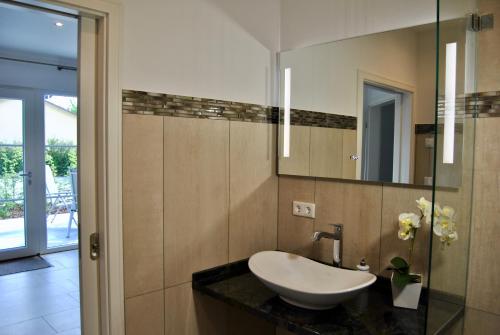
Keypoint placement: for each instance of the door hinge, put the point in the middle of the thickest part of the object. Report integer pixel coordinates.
(478, 22)
(94, 246)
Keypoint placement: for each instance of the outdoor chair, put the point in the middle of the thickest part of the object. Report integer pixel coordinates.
(56, 199)
(74, 201)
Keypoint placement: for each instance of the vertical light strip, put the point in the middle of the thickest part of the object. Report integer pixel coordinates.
(449, 103)
(286, 127)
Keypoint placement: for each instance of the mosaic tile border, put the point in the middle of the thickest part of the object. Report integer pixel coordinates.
(300, 117)
(147, 103)
(139, 102)
(429, 129)
(483, 104)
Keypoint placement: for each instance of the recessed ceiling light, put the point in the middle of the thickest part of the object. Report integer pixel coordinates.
(59, 24)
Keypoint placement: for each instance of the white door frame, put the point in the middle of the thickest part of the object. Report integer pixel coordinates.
(108, 158)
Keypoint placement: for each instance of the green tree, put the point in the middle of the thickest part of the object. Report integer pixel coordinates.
(60, 156)
(11, 160)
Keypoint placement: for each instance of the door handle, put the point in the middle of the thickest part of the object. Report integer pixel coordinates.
(28, 175)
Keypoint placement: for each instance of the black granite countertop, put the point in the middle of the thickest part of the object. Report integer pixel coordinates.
(371, 312)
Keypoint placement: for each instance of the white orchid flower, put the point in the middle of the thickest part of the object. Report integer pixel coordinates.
(410, 220)
(448, 212)
(437, 211)
(425, 207)
(405, 235)
(447, 239)
(445, 227)
(407, 223)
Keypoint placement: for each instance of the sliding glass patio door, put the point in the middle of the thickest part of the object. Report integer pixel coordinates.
(18, 233)
(38, 173)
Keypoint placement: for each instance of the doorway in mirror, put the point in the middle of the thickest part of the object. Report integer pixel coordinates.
(386, 134)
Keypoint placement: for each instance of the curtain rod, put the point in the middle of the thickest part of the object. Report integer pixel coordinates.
(59, 67)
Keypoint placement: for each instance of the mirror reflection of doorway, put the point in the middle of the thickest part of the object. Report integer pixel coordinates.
(386, 134)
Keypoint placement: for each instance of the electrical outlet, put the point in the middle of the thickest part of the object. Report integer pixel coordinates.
(304, 209)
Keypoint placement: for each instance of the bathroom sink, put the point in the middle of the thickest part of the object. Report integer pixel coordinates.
(305, 283)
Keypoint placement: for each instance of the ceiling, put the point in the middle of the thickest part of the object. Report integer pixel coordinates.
(31, 32)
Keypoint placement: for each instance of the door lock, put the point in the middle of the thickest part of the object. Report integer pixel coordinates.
(94, 246)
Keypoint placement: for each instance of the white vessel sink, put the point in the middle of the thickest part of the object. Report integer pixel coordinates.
(306, 283)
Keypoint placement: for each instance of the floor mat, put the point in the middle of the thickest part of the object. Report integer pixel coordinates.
(22, 265)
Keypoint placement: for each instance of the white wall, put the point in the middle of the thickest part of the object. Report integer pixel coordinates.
(223, 49)
(60, 124)
(11, 121)
(305, 23)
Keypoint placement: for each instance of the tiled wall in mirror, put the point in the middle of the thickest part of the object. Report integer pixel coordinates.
(364, 108)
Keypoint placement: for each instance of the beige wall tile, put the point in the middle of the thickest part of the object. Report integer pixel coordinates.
(479, 322)
(358, 207)
(397, 200)
(484, 268)
(294, 233)
(487, 154)
(349, 148)
(190, 313)
(489, 50)
(244, 323)
(144, 314)
(449, 262)
(142, 204)
(253, 187)
(326, 152)
(196, 196)
(298, 162)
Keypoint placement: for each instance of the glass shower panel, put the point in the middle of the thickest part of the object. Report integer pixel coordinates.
(455, 128)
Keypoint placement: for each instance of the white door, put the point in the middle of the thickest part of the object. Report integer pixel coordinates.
(20, 182)
(38, 200)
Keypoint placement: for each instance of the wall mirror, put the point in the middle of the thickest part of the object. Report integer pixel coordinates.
(363, 108)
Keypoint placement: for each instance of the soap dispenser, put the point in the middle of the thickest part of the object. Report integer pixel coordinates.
(362, 266)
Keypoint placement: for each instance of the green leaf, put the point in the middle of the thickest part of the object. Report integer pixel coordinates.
(400, 264)
(401, 279)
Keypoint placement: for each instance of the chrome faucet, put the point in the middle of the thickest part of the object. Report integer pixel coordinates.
(336, 236)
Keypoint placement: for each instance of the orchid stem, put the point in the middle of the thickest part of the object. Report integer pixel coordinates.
(412, 242)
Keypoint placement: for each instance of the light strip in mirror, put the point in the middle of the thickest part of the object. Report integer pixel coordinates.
(449, 101)
(286, 127)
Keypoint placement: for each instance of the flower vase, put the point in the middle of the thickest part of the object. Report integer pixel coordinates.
(408, 296)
